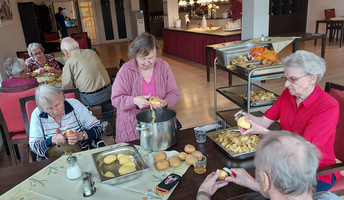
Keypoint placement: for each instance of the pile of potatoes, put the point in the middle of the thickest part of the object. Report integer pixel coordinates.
(127, 165)
(190, 155)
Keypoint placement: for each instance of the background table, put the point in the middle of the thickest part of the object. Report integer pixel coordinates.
(332, 22)
(187, 188)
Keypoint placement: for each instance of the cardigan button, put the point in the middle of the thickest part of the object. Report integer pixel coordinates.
(316, 138)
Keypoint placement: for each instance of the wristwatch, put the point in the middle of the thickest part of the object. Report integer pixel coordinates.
(83, 135)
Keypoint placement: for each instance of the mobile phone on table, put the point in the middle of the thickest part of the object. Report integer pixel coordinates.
(168, 183)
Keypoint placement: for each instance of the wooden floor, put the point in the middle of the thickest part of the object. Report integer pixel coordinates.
(196, 104)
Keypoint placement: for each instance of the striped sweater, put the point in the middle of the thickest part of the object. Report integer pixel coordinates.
(77, 117)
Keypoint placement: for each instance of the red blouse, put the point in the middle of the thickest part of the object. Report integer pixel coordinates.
(315, 120)
(32, 64)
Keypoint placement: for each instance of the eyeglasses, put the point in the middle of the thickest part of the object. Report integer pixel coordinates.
(151, 60)
(293, 80)
(38, 53)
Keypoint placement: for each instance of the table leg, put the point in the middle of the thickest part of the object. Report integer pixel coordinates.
(296, 45)
(341, 35)
(323, 45)
(316, 31)
(230, 78)
(208, 49)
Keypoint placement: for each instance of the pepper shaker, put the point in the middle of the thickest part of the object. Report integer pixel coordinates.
(73, 168)
(89, 190)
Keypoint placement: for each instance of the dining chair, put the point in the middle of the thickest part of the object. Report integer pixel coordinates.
(337, 92)
(19, 88)
(28, 105)
(82, 39)
(12, 123)
(333, 27)
(23, 54)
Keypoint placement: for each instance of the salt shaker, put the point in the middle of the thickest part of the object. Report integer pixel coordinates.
(262, 38)
(73, 168)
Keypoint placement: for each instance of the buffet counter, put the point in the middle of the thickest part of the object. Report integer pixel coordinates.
(190, 43)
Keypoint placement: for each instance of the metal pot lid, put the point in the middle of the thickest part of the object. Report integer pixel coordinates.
(162, 115)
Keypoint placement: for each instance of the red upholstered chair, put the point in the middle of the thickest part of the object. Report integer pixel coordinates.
(13, 124)
(82, 39)
(337, 92)
(51, 36)
(333, 27)
(23, 55)
(28, 105)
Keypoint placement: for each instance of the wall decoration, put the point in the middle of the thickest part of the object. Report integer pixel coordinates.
(6, 15)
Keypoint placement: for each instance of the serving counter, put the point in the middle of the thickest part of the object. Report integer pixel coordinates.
(190, 43)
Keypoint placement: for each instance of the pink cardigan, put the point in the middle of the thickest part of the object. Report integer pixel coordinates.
(128, 84)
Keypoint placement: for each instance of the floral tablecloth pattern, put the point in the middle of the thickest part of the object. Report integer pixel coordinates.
(51, 182)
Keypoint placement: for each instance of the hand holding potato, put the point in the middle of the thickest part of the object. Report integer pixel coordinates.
(74, 137)
(243, 178)
(58, 139)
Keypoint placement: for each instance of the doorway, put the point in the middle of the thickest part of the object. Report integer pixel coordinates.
(87, 16)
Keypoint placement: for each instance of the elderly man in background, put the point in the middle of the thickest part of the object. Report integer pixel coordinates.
(15, 69)
(84, 70)
(286, 167)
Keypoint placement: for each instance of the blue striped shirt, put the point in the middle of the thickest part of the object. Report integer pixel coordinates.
(77, 117)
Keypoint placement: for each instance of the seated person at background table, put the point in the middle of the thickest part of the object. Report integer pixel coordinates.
(84, 70)
(305, 109)
(286, 167)
(54, 115)
(143, 76)
(15, 69)
(38, 60)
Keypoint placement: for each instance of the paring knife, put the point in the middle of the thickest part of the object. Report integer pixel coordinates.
(230, 172)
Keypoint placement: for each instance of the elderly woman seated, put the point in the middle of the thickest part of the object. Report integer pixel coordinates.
(40, 62)
(55, 115)
(15, 69)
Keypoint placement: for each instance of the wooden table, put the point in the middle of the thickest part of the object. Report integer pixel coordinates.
(332, 22)
(186, 189)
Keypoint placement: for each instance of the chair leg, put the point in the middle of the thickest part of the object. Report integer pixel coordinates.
(4, 141)
(13, 156)
(17, 151)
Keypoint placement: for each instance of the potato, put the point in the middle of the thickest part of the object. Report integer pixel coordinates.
(243, 123)
(174, 161)
(109, 174)
(162, 165)
(68, 132)
(182, 155)
(126, 169)
(159, 156)
(189, 148)
(124, 159)
(223, 175)
(154, 100)
(110, 159)
(120, 155)
(33, 74)
(129, 164)
(190, 159)
(198, 154)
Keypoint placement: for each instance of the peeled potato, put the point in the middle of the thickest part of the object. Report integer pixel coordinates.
(182, 155)
(109, 174)
(120, 155)
(159, 156)
(124, 159)
(129, 164)
(162, 165)
(189, 148)
(198, 154)
(33, 74)
(174, 161)
(190, 159)
(68, 132)
(126, 169)
(223, 175)
(243, 123)
(154, 100)
(110, 159)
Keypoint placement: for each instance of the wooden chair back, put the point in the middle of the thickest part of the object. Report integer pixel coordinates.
(82, 39)
(23, 54)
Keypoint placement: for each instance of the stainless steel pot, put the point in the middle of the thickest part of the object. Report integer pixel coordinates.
(159, 135)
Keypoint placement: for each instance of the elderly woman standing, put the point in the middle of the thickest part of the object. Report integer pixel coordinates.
(305, 109)
(143, 76)
(54, 115)
(15, 69)
(38, 60)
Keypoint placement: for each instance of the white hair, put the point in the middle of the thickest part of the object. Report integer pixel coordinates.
(13, 66)
(289, 160)
(34, 46)
(47, 93)
(309, 62)
(69, 44)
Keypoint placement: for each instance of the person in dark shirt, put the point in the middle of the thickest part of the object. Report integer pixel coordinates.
(236, 9)
(60, 22)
